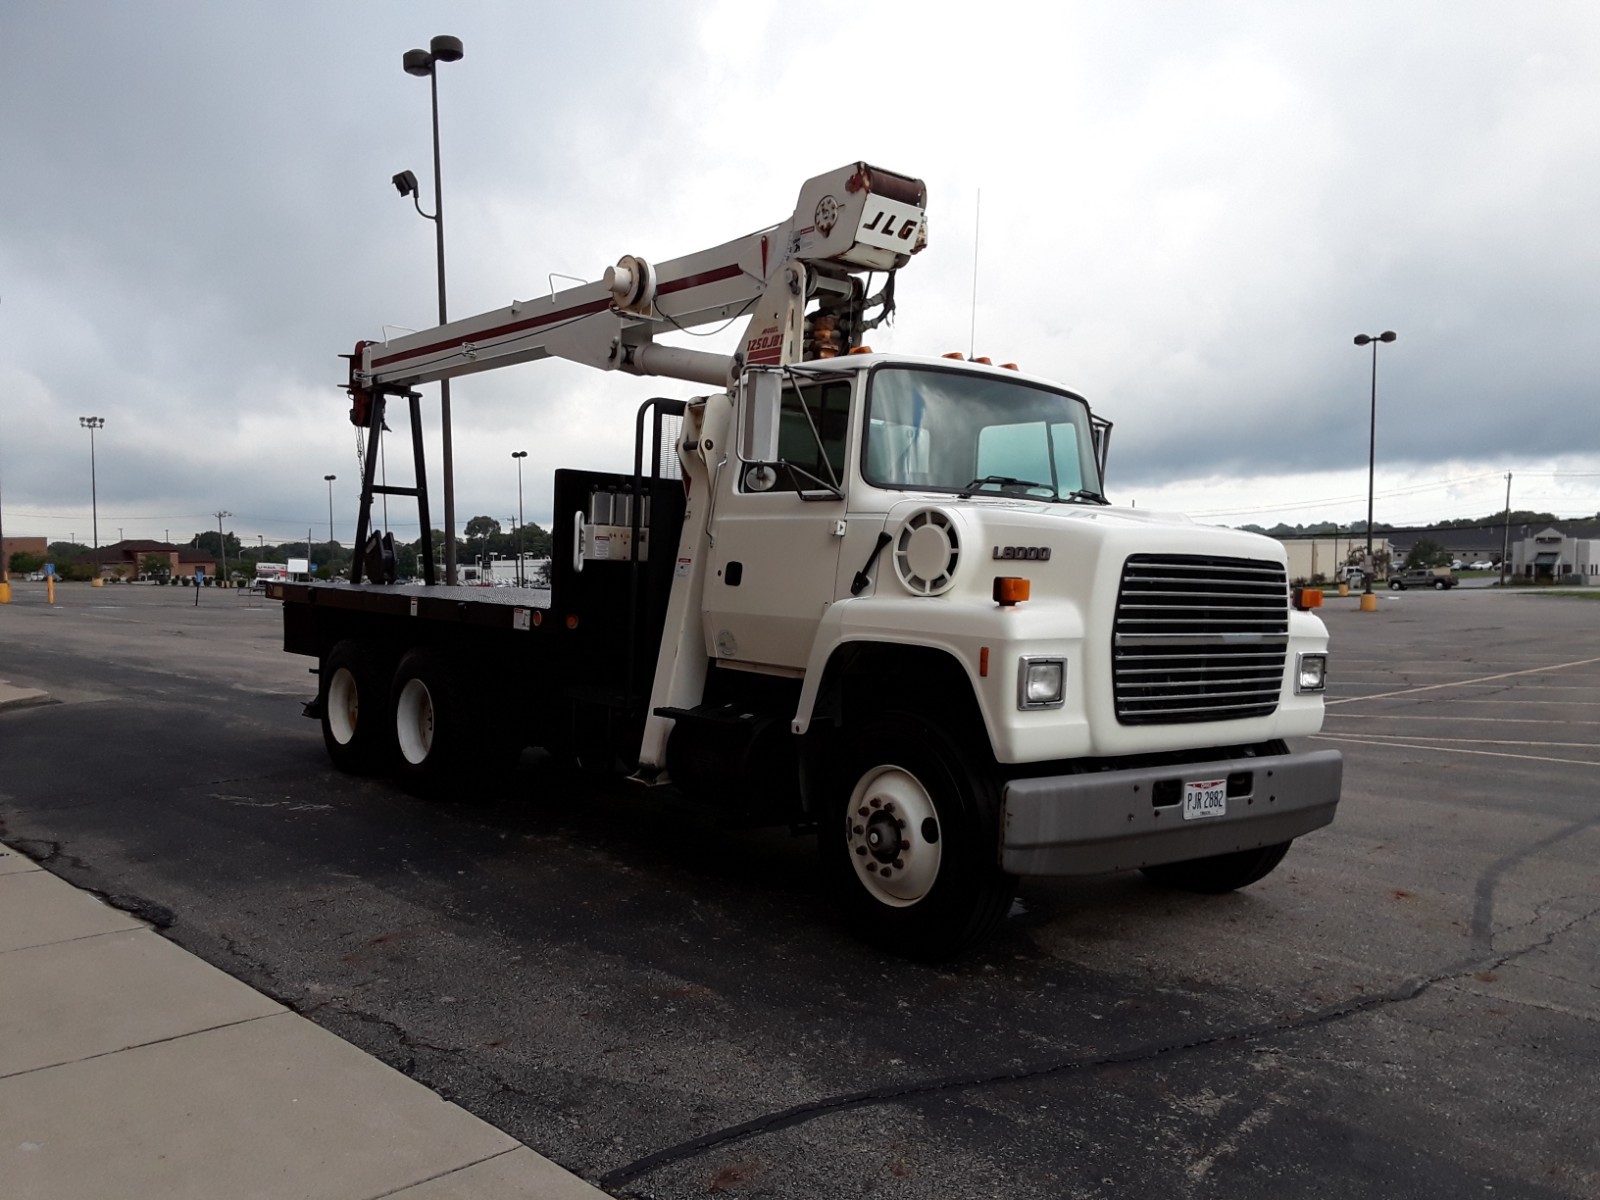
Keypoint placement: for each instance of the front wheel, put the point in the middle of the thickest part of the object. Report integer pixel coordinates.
(1396, 586)
(1219, 873)
(1441, 585)
(909, 840)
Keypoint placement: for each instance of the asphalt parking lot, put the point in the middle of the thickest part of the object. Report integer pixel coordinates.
(1408, 1007)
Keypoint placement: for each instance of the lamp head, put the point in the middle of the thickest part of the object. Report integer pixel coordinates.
(519, 454)
(405, 183)
(417, 62)
(1362, 339)
(1388, 335)
(330, 478)
(446, 48)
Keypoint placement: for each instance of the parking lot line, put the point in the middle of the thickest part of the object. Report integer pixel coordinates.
(1354, 716)
(1429, 687)
(1370, 741)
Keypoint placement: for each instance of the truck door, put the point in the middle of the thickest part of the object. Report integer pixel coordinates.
(775, 552)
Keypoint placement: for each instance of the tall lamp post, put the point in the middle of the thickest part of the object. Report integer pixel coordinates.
(330, 479)
(519, 455)
(91, 424)
(424, 63)
(1362, 339)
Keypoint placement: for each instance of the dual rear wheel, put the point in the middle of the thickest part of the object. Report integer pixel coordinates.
(415, 720)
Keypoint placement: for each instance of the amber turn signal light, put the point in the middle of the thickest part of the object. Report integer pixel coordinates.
(1307, 598)
(1009, 590)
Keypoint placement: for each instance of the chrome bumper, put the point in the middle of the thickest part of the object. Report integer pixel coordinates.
(1109, 820)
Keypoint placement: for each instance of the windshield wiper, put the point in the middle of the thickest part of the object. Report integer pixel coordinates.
(1003, 482)
(1086, 494)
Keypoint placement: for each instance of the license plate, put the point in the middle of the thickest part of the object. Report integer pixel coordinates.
(1204, 798)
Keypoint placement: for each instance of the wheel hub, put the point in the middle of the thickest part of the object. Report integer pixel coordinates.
(892, 834)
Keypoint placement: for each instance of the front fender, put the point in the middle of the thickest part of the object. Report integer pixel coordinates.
(964, 631)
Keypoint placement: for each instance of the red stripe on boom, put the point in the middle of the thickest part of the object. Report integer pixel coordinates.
(555, 318)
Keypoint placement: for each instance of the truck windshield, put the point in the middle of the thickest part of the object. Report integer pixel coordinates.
(959, 431)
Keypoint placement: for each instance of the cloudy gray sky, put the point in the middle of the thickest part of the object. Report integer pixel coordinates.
(1187, 212)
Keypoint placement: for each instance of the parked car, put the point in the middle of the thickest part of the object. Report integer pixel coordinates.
(1483, 564)
(1434, 577)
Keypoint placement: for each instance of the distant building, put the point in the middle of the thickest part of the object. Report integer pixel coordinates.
(131, 558)
(1567, 552)
(22, 545)
(1320, 556)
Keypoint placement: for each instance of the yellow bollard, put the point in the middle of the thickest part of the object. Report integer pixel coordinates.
(97, 582)
(1344, 589)
(1369, 602)
(50, 589)
(5, 593)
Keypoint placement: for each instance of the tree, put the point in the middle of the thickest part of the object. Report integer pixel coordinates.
(24, 563)
(483, 527)
(156, 566)
(1427, 553)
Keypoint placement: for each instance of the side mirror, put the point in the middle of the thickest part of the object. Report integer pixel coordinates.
(760, 396)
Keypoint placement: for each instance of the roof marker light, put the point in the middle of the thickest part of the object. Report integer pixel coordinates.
(956, 354)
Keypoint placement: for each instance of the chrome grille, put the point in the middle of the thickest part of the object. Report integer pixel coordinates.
(1198, 638)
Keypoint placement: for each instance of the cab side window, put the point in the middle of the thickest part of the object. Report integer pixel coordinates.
(828, 407)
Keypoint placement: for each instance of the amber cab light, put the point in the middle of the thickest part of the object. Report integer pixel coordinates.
(861, 350)
(985, 360)
(1307, 598)
(1009, 590)
(1009, 367)
(955, 354)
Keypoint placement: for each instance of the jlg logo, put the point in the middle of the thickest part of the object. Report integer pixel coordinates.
(906, 228)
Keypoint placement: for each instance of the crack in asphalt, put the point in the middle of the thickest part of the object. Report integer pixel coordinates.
(800, 1114)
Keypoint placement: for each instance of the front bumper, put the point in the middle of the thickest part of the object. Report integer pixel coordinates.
(1109, 820)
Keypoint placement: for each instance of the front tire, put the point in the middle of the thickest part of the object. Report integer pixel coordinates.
(1441, 585)
(1221, 872)
(352, 707)
(909, 840)
(1396, 586)
(429, 719)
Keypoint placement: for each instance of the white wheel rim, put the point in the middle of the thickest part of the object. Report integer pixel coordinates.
(413, 722)
(893, 836)
(344, 706)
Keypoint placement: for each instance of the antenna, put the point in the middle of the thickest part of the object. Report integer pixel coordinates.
(977, 224)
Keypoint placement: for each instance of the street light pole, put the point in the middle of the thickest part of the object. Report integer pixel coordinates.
(91, 424)
(1362, 339)
(330, 479)
(222, 545)
(424, 62)
(519, 455)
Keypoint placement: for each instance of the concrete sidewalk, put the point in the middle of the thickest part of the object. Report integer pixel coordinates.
(20, 697)
(131, 1068)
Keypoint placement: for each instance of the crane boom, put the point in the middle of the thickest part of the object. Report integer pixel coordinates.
(854, 219)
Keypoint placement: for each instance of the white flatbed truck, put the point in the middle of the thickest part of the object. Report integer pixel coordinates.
(879, 596)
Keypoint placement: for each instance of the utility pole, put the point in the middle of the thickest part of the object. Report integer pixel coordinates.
(222, 545)
(1505, 539)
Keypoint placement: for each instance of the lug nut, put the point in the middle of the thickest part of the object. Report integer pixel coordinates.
(884, 871)
(899, 864)
(862, 851)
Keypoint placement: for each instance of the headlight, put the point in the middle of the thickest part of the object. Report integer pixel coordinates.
(1311, 673)
(1041, 683)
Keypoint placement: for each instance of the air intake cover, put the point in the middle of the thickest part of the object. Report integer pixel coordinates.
(926, 552)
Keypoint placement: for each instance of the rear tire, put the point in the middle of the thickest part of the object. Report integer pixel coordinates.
(909, 840)
(430, 722)
(352, 707)
(1221, 872)
(1441, 585)
(1396, 586)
